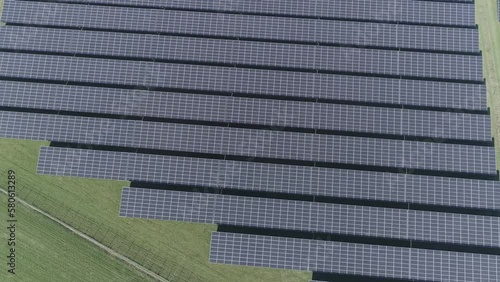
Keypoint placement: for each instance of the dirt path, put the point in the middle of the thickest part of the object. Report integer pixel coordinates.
(93, 241)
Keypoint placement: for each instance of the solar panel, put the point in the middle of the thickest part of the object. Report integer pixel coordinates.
(291, 30)
(192, 4)
(276, 145)
(311, 217)
(274, 178)
(247, 53)
(432, 38)
(240, 80)
(248, 111)
(401, 11)
(352, 258)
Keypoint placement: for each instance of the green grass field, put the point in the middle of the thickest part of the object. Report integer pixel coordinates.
(49, 252)
(178, 251)
(182, 247)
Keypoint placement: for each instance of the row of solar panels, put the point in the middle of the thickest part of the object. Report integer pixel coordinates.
(246, 81)
(245, 53)
(352, 258)
(272, 178)
(431, 38)
(403, 224)
(235, 6)
(252, 143)
(398, 11)
(247, 111)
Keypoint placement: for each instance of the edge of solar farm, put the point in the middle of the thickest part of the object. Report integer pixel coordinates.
(75, 163)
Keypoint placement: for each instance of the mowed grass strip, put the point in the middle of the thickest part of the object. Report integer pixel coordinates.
(489, 29)
(46, 251)
(177, 251)
(1, 9)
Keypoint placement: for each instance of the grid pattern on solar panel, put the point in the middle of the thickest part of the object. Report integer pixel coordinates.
(401, 11)
(256, 82)
(274, 113)
(352, 258)
(247, 53)
(311, 217)
(315, 31)
(251, 143)
(431, 38)
(287, 179)
(192, 4)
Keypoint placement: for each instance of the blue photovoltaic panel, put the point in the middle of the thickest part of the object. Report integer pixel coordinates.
(247, 53)
(401, 11)
(426, 38)
(275, 178)
(295, 30)
(352, 258)
(311, 217)
(250, 111)
(251, 143)
(236, 6)
(247, 81)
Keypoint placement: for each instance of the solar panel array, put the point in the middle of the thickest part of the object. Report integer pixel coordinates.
(268, 83)
(273, 178)
(248, 53)
(351, 258)
(335, 149)
(336, 131)
(402, 11)
(254, 27)
(408, 37)
(311, 217)
(247, 111)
